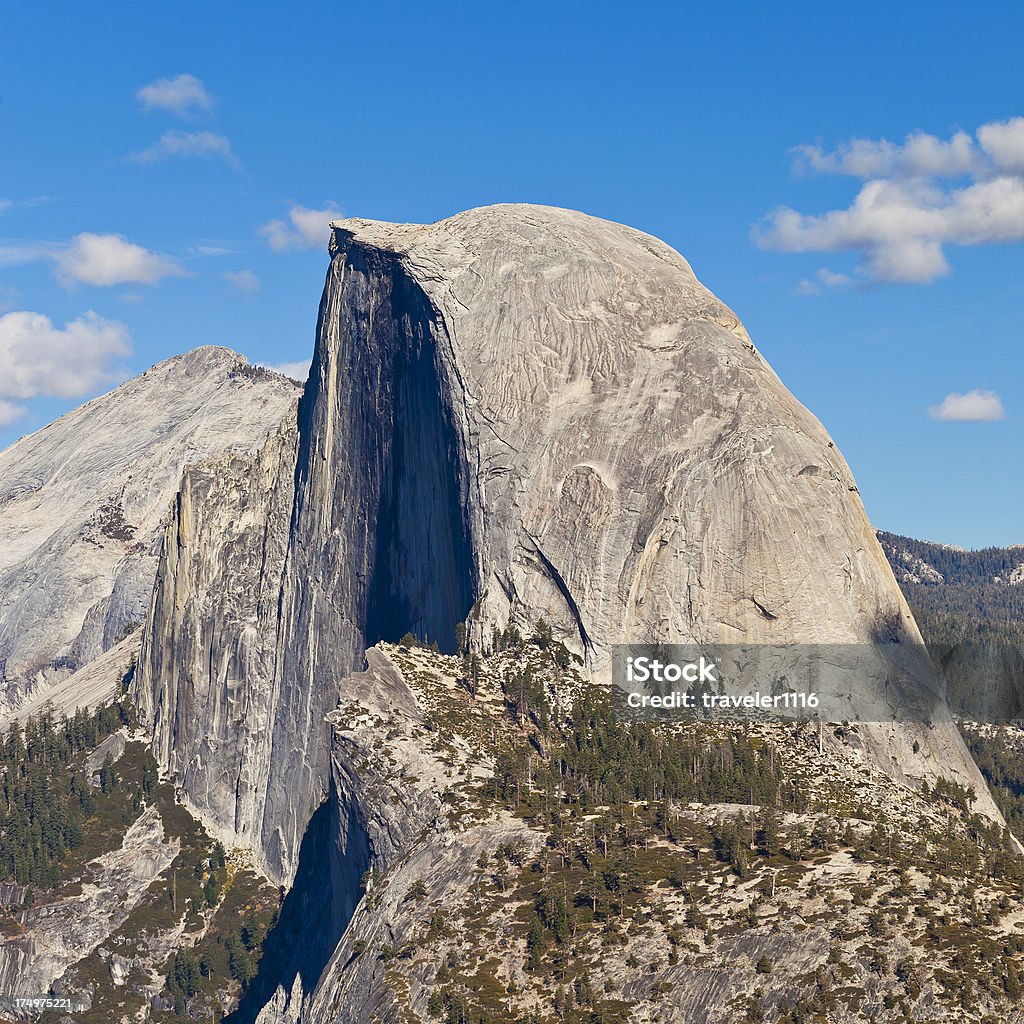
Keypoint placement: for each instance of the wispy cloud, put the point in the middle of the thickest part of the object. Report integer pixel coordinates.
(244, 280)
(38, 359)
(297, 371)
(175, 143)
(17, 204)
(16, 254)
(94, 259)
(305, 228)
(106, 260)
(208, 249)
(181, 95)
(917, 197)
(973, 407)
(823, 280)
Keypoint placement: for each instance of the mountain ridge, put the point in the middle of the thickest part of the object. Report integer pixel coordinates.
(82, 500)
(374, 663)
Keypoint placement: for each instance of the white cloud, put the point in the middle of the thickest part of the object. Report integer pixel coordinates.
(38, 359)
(305, 228)
(9, 412)
(105, 260)
(244, 280)
(1003, 141)
(974, 407)
(823, 279)
(297, 371)
(179, 95)
(187, 144)
(903, 215)
(88, 258)
(921, 155)
(909, 261)
(832, 280)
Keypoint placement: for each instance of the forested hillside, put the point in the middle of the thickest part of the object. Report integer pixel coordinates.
(960, 595)
(970, 608)
(94, 847)
(607, 869)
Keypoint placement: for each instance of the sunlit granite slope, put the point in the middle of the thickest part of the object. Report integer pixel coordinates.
(82, 502)
(516, 412)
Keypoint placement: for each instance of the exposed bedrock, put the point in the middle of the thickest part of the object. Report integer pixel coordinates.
(205, 678)
(280, 569)
(83, 500)
(395, 821)
(516, 412)
(333, 857)
(639, 471)
(52, 937)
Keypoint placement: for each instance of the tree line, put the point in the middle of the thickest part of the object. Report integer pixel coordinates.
(45, 798)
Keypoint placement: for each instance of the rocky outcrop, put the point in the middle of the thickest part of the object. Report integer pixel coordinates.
(402, 795)
(82, 503)
(399, 836)
(52, 937)
(99, 682)
(513, 413)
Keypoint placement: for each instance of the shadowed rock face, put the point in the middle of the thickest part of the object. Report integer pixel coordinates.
(523, 411)
(82, 504)
(380, 465)
(281, 569)
(638, 472)
(332, 860)
(378, 544)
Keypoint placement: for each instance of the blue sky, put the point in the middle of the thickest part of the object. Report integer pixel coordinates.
(152, 159)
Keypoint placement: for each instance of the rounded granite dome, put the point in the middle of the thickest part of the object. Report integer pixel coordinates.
(515, 413)
(539, 257)
(628, 430)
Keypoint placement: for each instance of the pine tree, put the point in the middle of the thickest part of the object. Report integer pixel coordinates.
(108, 778)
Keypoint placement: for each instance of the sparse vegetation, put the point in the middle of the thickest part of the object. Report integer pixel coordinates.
(661, 844)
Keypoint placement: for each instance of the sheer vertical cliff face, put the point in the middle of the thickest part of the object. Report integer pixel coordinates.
(382, 503)
(639, 470)
(513, 413)
(379, 540)
(209, 650)
(280, 570)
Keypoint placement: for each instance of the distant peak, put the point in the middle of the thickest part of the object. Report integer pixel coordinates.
(203, 356)
(212, 360)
